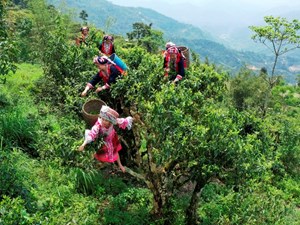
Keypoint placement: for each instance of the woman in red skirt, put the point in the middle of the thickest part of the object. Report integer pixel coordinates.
(109, 152)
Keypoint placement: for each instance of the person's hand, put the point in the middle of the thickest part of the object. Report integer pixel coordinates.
(166, 72)
(81, 148)
(95, 59)
(175, 80)
(83, 94)
(99, 89)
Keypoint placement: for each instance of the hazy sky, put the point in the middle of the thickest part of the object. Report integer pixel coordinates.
(199, 2)
(266, 4)
(217, 13)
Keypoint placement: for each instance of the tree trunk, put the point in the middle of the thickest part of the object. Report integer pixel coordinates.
(161, 196)
(191, 215)
(154, 184)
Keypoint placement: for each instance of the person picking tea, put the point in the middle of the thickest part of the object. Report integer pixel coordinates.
(104, 126)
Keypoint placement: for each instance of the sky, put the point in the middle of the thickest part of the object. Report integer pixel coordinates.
(214, 12)
(224, 19)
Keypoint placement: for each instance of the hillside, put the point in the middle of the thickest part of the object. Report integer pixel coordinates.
(118, 20)
(208, 149)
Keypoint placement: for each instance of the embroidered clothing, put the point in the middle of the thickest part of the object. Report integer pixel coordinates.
(107, 48)
(107, 152)
(108, 78)
(175, 66)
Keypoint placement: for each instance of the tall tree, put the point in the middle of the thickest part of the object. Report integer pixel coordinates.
(21, 3)
(146, 36)
(109, 22)
(184, 135)
(8, 46)
(280, 36)
(83, 15)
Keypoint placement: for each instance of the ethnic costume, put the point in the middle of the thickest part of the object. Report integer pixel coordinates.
(109, 151)
(113, 72)
(173, 62)
(83, 39)
(107, 46)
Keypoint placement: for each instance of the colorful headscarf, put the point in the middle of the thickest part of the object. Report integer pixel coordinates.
(84, 28)
(169, 44)
(100, 60)
(108, 37)
(109, 114)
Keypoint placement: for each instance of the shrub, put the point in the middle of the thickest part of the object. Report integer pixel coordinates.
(131, 207)
(11, 181)
(12, 211)
(252, 205)
(18, 130)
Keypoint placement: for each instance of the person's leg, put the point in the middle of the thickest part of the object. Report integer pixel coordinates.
(97, 162)
(120, 164)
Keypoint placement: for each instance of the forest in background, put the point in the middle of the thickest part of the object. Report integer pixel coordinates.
(217, 148)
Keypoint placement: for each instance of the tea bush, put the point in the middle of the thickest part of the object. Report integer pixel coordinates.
(12, 211)
(251, 205)
(131, 207)
(59, 137)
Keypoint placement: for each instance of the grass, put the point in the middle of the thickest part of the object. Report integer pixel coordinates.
(17, 89)
(24, 78)
(19, 113)
(53, 187)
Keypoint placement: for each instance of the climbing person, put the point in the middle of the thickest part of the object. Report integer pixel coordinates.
(109, 152)
(108, 73)
(107, 47)
(83, 37)
(173, 63)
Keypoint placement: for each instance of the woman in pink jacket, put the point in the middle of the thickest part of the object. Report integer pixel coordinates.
(109, 152)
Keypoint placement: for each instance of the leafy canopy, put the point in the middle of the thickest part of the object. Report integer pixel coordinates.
(279, 35)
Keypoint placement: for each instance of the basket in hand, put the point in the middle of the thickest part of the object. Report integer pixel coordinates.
(91, 109)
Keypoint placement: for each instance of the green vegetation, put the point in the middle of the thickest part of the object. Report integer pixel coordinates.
(280, 36)
(8, 46)
(205, 151)
(146, 37)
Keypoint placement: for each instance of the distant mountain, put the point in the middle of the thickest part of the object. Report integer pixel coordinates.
(116, 19)
(121, 19)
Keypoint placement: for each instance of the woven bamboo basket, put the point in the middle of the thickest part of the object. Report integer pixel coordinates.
(90, 110)
(185, 51)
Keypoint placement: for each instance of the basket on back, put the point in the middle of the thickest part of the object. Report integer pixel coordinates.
(91, 109)
(185, 51)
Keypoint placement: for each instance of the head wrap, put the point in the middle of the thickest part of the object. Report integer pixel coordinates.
(169, 44)
(100, 60)
(84, 28)
(108, 37)
(109, 114)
